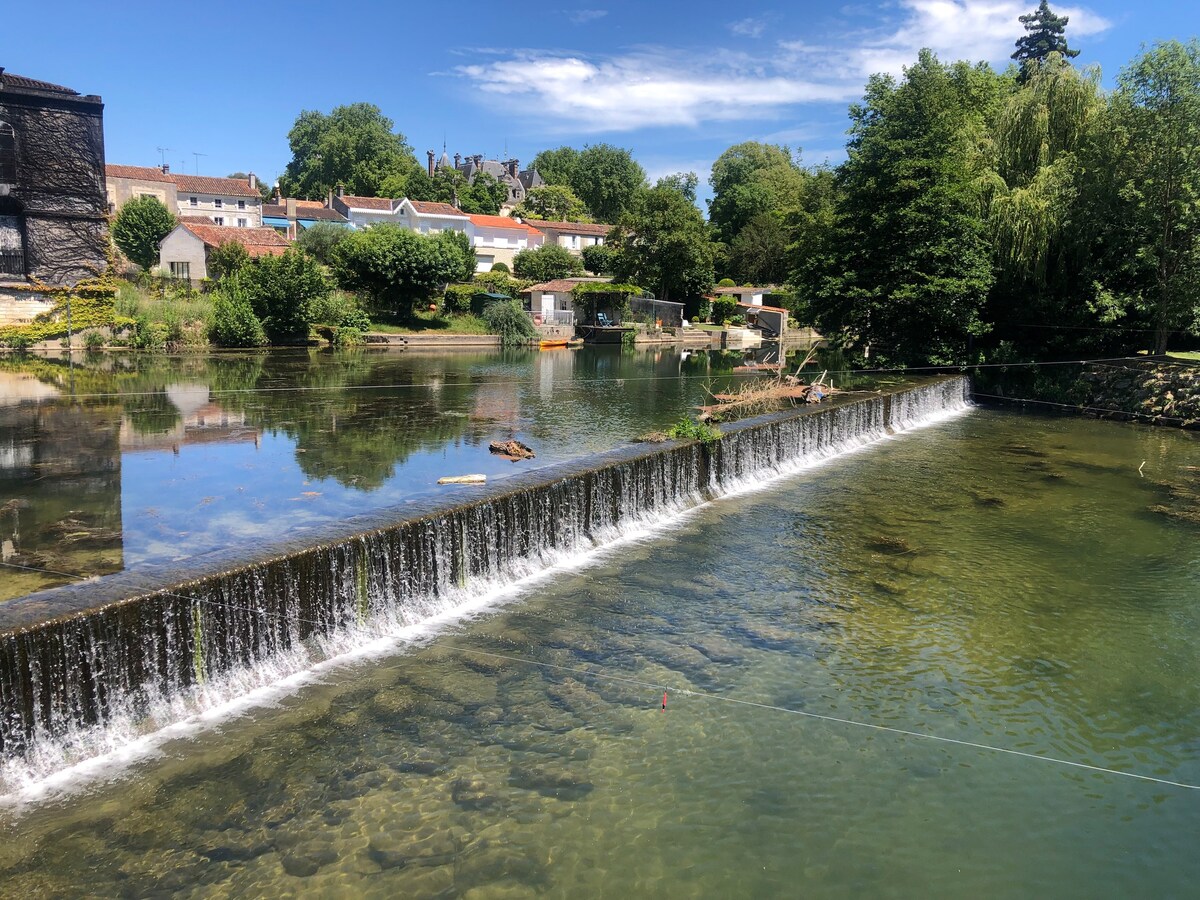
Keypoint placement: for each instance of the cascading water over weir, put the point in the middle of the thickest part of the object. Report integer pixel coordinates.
(87, 667)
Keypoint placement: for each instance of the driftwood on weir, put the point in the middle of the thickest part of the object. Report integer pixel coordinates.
(766, 395)
(463, 479)
(513, 450)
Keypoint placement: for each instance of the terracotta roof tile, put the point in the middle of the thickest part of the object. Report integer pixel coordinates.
(139, 173)
(380, 204)
(561, 285)
(257, 241)
(502, 222)
(203, 184)
(317, 211)
(310, 204)
(9, 79)
(571, 227)
(428, 208)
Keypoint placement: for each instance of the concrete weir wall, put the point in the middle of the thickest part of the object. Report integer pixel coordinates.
(142, 645)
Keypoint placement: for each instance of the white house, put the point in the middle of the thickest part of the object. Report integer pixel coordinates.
(499, 239)
(232, 202)
(432, 218)
(746, 295)
(574, 236)
(365, 211)
(552, 303)
(183, 253)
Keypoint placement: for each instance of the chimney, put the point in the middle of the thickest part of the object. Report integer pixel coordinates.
(512, 168)
(291, 209)
(253, 179)
(278, 195)
(329, 199)
(458, 160)
(429, 153)
(341, 190)
(166, 167)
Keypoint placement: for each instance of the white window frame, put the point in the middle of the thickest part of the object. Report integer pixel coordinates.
(243, 223)
(218, 203)
(218, 220)
(181, 270)
(193, 201)
(241, 204)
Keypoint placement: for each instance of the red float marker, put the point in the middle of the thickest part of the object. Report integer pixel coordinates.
(664, 701)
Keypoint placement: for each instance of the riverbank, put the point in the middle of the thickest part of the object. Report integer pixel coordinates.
(1159, 390)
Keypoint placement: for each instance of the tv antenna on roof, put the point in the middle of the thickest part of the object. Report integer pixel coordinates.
(197, 156)
(162, 155)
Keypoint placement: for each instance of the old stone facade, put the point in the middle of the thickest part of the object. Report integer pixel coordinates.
(53, 212)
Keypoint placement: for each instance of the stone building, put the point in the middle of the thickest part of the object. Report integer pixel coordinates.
(53, 212)
(232, 202)
(509, 173)
(184, 252)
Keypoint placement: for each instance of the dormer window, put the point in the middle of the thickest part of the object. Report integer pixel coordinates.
(217, 203)
(8, 154)
(193, 201)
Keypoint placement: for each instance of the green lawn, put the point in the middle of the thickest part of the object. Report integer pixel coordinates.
(1182, 354)
(424, 321)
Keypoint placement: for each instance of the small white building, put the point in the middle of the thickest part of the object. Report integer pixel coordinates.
(573, 236)
(747, 295)
(183, 253)
(432, 218)
(500, 239)
(553, 303)
(365, 211)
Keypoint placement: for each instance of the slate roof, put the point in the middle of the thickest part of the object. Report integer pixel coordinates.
(203, 184)
(428, 208)
(571, 227)
(138, 173)
(304, 211)
(257, 241)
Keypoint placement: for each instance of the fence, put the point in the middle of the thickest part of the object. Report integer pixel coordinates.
(12, 262)
(554, 317)
(652, 312)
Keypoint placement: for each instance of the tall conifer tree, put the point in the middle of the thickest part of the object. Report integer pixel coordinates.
(1044, 34)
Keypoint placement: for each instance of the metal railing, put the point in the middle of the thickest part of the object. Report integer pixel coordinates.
(555, 317)
(12, 262)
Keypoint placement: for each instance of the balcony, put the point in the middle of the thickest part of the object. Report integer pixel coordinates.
(554, 317)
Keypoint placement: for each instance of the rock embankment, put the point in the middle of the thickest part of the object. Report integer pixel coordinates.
(1156, 390)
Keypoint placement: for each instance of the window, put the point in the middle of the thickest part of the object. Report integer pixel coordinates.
(193, 201)
(217, 203)
(144, 196)
(241, 204)
(218, 220)
(8, 154)
(181, 270)
(242, 223)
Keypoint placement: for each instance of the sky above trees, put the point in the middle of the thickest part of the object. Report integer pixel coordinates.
(221, 85)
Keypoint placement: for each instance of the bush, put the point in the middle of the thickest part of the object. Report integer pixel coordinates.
(688, 430)
(149, 335)
(234, 323)
(598, 259)
(501, 267)
(547, 262)
(283, 292)
(93, 340)
(457, 298)
(723, 309)
(321, 241)
(726, 282)
(507, 319)
(348, 337)
(340, 310)
(227, 259)
(19, 342)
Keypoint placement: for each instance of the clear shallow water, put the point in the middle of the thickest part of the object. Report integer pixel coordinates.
(997, 579)
(117, 462)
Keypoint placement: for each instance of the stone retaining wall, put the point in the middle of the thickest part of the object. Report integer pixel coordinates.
(1159, 390)
(20, 307)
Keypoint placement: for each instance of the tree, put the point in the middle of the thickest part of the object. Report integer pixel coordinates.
(907, 266)
(1156, 113)
(227, 259)
(598, 259)
(484, 195)
(547, 262)
(282, 291)
(139, 227)
(557, 167)
(750, 179)
(321, 240)
(353, 146)
(759, 253)
(662, 242)
(398, 268)
(606, 178)
(552, 202)
(1044, 34)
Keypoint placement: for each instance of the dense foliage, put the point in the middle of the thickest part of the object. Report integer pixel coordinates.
(282, 291)
(227, 259)
(138, 228)
(234, 323)
(507, 319)
(321, 240)
(554, 203)
(547, 262)
(604, 177)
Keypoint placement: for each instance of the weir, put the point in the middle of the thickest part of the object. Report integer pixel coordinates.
(85, 667)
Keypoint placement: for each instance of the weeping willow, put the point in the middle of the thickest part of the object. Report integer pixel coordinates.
(1029, 183)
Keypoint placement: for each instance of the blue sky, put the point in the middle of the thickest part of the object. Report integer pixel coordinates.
(675, 82)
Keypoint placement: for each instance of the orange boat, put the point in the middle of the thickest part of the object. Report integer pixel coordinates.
(553, 345)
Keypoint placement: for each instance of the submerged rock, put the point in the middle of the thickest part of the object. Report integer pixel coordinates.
(513, 450)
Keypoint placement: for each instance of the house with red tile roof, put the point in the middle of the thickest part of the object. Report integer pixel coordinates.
(233, 202)
(184, 252)
(500, 239)
(574, 236)
(428, 217)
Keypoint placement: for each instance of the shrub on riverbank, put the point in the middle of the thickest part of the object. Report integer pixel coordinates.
(510, 321)
(234, 323)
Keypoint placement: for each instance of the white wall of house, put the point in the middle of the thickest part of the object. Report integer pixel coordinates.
(243, 212)
(364, 218)
(432, 223)
(577, 242)
(181, 248)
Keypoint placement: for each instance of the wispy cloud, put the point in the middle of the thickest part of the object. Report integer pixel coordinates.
(583, 16)
(750, 27)
(655, 86)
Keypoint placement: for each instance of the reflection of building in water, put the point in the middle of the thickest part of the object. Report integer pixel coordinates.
(195, 419)
(554, 366)
(60, 487)
(498, 404)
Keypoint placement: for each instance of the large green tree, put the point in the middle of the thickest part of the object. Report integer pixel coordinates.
(138, 228)
(557, 166)
(1155, 256)
(355, 146)
(662, 242)
(553, 202)
(906, 267)
(397, 268)
(547, 262)
(606, 179)
(1045, 33)
(750, 179)
(282, 291)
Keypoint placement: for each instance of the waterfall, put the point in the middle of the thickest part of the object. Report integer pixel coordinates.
(88, 668)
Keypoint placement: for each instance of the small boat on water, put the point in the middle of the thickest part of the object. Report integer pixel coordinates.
(553, 344)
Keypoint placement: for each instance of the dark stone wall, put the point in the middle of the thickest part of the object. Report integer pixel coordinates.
(60, 183)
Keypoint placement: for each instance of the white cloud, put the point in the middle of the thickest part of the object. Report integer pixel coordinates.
(583, 16)
(751, 27)
(658, 87)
